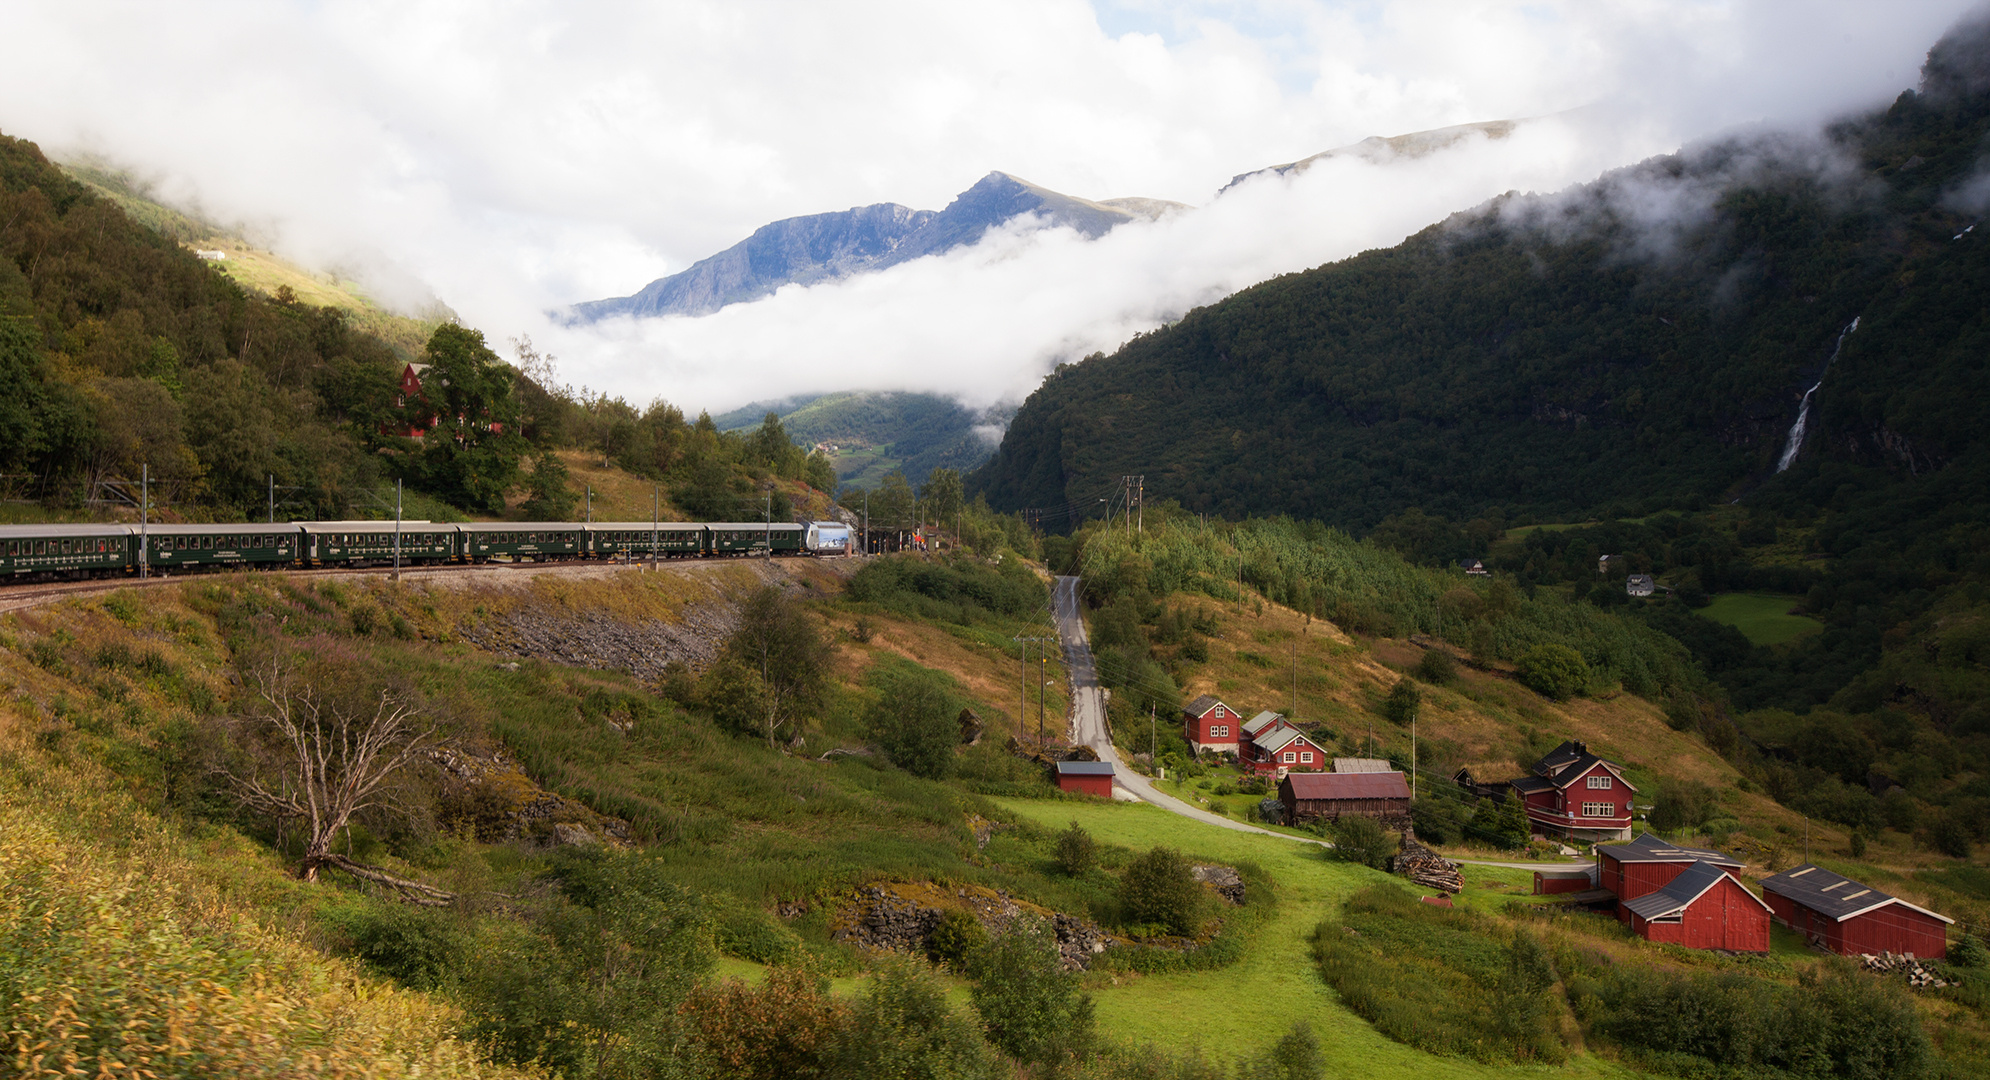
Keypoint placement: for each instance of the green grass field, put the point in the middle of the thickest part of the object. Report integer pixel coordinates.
(1763, 617)
(1242, 1008)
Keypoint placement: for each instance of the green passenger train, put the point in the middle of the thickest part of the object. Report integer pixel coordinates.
(61, 551)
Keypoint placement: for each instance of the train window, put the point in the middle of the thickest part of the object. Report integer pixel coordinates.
(41, 547)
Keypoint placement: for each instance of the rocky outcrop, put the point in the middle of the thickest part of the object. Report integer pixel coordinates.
(1224, 881)
(902, 918)
(486, 794)
(597, 640)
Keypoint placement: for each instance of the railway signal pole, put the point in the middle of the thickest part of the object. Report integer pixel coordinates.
(397, 530)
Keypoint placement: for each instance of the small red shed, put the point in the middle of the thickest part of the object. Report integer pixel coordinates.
(1208, 724)
(1851, 918)
(1648, 864)
(1085, 777)
(1705, 907)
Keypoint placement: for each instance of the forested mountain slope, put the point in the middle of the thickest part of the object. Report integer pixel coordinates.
(1642, 342)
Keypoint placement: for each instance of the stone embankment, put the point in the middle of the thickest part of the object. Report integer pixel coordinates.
(902, 919)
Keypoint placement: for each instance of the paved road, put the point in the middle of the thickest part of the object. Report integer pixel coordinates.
(1088, 728)
(1088, 719)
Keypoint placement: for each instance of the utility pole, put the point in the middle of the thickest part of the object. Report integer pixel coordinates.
(1140, 500)
(272, 498)
(1413, 765)
(144, 519)
(397, 530)
(867, 521)
(590, 504)
(1153, 737)
(769, 534)
(653, 529)
(1293, 711)
(1023, 703)
(1043, 668)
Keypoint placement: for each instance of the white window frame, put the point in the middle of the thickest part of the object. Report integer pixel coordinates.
(1599, 809)
(1288, 757)
(1600, 783)
(1217, 731)
(1306, 757)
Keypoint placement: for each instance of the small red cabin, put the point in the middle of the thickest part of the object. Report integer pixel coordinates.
(1281, 750)
(1208, 724)
(1552, 882)
(1849, 918)
(1704, 907)
(1085, 777)
(1648, 864)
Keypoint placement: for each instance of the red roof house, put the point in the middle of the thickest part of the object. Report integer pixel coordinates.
(1310, 796)
(1648, 864)
(1849, 918)
(1574, 793)
(1208, 724)
(1704, 907)
(1085, 777)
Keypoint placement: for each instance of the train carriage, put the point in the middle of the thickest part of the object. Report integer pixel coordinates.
(753, 538)
(210, 547)
(65, 550)
(521, 541)
(635, 539)
(371, 543)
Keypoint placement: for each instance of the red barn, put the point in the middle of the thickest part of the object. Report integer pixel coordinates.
(1574, 793)
(1085, 777)
(1705, 907)
(1850, 918)
(1552, 882)
(1648, 864)
(1208, 724)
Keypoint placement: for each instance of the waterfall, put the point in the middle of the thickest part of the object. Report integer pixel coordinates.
(1803, 412)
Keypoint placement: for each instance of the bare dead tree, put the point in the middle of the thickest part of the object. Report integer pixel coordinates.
(329, 762)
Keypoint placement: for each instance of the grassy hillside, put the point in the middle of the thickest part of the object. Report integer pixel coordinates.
(876, 433)
(254, 268)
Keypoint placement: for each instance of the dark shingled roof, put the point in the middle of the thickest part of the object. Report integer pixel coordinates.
(1528, 785)
(1649, 848)
(1561, 755)
(1691, 884)
(1371, 785)
(1202, 705)
(1834, 895)
(1084, 768)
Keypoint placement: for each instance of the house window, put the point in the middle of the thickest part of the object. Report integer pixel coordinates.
(1288, 757)
(1599, 809)
(1217, 731)
(1306, 757)
(1677, 918)
(1600, 782)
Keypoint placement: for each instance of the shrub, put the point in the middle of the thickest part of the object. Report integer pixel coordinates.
(956, 937)
(1077, 852)
(904, 1027)
(1029, 1005)
(1969, 951)
(1436, 668)
(417, 947)
(1554, 671)
(1159, 888)
(1681, 804)
(914, 722)
(783, 1027)
(1403, 702)
(1359, 839)
(1295, 1056)
(1501, 822)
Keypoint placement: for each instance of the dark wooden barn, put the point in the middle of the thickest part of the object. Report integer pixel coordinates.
(1704, 907)
(1329, 796)
(1850, 918)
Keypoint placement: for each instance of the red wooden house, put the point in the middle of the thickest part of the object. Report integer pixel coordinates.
(1085, 777)
(1704, 907)
(417, 418)
(1575, 794)
(1648, 864)
(1850, 918)
(1277, 748)
(1208, 724)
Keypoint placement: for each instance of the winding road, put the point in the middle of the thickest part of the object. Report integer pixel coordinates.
(1088, 728)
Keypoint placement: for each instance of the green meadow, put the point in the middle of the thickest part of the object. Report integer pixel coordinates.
(1764, 618)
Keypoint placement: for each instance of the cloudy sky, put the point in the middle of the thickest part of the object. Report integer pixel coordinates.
(514, 157)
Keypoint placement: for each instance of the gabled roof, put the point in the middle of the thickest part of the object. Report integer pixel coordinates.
(1650, 849)
(1833, 895)
(1323, 785)
(1559, 757)
(1528, 785)
(1575, 770)
(1279, 739)
(1262, 721)
(1362, 764)
(1689, 886)
(1201, 706)
(1084, 768)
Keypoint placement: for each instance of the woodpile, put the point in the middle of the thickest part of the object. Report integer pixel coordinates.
(1888, 963)
(1426, 867)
